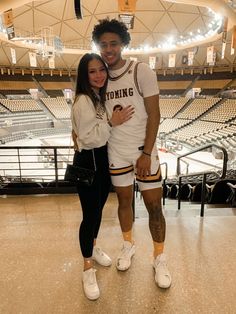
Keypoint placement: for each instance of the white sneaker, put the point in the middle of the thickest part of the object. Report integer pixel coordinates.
(100, 257)
(162, 276)
(124, 259)
(90, 285)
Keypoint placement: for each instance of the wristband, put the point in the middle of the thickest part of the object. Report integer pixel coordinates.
(146, 153)
(109, 123)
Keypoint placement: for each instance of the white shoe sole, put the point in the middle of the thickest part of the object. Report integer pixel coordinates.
(94, 298)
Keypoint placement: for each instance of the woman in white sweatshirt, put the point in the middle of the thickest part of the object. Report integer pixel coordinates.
(91, 129)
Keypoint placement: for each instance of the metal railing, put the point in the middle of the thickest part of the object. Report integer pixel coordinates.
(204, 173)
(34, 164)
(164, 179)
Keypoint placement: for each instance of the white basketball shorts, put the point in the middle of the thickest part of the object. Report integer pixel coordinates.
(122, 169)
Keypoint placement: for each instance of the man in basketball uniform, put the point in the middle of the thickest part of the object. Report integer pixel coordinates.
(131, 147)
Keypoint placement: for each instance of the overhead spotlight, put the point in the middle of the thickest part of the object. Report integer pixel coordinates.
(78, 11)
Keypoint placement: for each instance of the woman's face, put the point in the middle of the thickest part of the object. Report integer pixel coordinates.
(97, 74)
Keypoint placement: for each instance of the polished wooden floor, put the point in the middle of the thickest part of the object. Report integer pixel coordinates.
(41, 264)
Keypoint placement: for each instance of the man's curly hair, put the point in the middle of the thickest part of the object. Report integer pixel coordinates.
(111, 26)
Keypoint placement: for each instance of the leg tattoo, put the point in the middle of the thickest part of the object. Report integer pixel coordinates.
(157, 223)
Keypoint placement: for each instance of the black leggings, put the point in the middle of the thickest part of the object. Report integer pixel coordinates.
(92, 198)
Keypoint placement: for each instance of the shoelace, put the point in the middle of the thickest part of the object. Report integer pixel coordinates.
(124, 252)
(99, 252)
(92, 278)
(163, 265)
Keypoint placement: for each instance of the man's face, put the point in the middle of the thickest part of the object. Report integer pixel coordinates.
(110, 47)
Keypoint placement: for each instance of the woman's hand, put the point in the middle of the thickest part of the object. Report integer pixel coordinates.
(74, 137)
(120, 116)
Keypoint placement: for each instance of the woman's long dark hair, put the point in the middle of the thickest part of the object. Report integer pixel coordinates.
(82, 82)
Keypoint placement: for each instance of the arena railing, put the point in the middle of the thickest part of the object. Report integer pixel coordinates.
(34, 169)
(165, 165)
(203, 174)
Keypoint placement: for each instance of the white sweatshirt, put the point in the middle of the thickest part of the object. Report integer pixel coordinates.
(89, 124)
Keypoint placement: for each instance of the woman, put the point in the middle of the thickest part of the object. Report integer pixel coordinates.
(91, 130)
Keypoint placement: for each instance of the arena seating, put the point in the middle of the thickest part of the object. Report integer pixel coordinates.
(58, 107)
(20, 105)
(223, 113)
(197, 107)
(169, 107)
(193, 122)
(218, 191)
(170, 125)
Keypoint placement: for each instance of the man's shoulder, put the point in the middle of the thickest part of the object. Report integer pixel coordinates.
(142, 65)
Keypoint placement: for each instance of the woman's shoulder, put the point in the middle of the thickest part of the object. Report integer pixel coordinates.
(81, 97)
(81, 100)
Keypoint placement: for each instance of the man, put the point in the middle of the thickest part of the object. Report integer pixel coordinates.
(132, 150)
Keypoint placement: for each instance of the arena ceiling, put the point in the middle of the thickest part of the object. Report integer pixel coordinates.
(155, 22)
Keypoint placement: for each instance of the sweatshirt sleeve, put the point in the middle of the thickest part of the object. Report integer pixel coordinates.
(92, 129)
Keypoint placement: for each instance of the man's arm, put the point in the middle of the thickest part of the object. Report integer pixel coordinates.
(143, 164)
(153, 122)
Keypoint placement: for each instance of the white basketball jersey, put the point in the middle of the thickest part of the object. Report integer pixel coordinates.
(128, 86)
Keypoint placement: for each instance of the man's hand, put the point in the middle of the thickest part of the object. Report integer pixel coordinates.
(143, 166)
